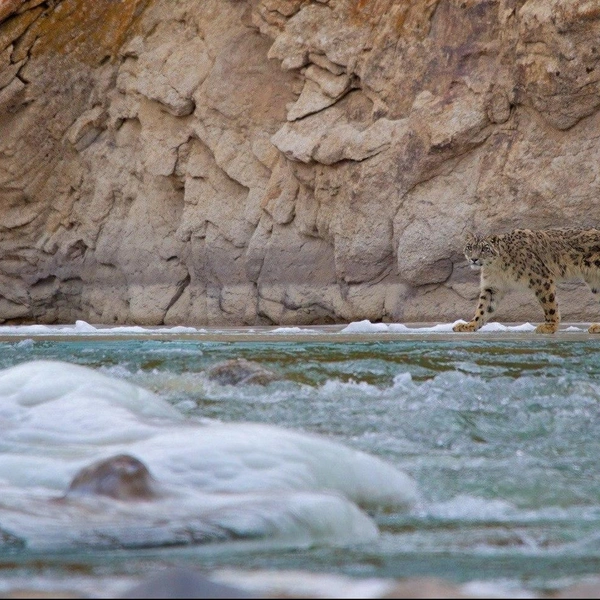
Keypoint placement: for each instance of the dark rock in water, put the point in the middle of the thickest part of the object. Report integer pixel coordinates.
(240, 371)
(8, 540)
(120, 477)
(425, 587)
(589, 588)
(182, 583)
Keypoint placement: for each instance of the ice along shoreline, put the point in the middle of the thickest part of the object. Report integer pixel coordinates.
(352, 332)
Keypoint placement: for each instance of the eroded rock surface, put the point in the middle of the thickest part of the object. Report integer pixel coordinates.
(285, 161)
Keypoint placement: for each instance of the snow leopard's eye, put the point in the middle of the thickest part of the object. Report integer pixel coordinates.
(468, 247)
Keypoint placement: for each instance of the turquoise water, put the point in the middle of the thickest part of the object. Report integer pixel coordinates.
(501, 436)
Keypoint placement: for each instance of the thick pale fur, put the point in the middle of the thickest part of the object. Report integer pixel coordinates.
(536, 260)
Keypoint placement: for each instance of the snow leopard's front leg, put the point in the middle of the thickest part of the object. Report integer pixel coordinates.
(545, 292)
(488, 303)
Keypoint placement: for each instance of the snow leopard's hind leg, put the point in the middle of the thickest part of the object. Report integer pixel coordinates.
(593, 282)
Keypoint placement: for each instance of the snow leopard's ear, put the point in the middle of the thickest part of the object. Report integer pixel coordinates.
(493, 241)
(470, 237)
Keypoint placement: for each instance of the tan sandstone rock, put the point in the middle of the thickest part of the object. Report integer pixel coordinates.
(285, 161)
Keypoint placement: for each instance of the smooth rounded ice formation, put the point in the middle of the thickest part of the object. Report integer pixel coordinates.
(69, 426)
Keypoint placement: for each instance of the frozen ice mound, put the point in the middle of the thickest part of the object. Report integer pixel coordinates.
(218, 481)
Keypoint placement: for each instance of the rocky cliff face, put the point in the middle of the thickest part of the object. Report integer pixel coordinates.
(285, 161)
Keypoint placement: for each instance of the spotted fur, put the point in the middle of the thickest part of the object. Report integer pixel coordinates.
(536, 260)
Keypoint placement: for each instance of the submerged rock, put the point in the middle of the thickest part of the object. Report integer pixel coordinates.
(589, 588)
(121, 477)
(182, 583)
(240, 371)
(425, 587)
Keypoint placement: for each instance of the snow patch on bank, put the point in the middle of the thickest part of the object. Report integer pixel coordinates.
(366, 327)
(82, 328)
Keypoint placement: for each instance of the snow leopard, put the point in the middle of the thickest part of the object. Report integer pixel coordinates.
(536, 260)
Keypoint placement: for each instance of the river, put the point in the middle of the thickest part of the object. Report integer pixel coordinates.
(375, 452)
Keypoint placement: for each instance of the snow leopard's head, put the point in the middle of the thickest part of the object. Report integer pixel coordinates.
(481, 251)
